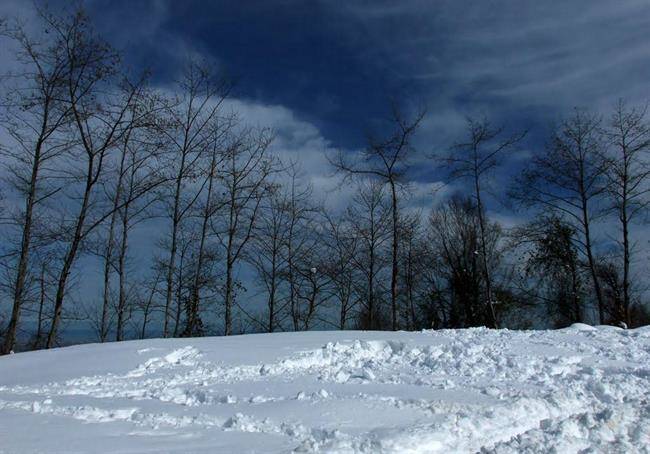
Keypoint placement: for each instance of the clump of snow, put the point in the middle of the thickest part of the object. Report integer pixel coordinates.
(582, 327)
(477, 390)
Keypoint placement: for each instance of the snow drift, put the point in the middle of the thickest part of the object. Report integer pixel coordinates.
(359, 392)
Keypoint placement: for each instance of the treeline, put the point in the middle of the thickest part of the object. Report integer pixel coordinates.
(95, 156)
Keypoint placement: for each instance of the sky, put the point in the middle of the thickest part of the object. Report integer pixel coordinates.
(322, 73)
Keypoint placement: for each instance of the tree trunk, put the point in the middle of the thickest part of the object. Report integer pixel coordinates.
(147, 307)
(371, 285)
(71, 255)
(230, 259)
(345, 300)
(626, 246)
(312, 303)
(576, 300)
(41, 305)
(179, 291)
(291, 274)
(23, 261)
(108, 254)
(194, 324)
(594, 275)
(272, 290)
(395, 269)
(228, 301)
(590, 257)
(172, 250)
(121, 301)
(488, 283)
(409, 285)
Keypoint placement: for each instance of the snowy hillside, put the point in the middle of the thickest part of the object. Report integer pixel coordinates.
(443, 391)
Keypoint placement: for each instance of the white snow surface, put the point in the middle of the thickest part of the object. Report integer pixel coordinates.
(580, 389)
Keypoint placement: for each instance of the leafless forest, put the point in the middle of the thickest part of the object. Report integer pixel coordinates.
(92, 154)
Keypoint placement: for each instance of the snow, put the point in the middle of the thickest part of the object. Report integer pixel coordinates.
(476, 390)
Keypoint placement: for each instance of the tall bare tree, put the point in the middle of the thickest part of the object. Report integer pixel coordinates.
(244, 179)
(187, 130)
(144, 172)
(552, 268)
(411, 257)
(147, 303)
(387, 160)
(266, 254)
(313, 287)
(300, 213)
(34, 117)
(474, 159)
(628, 169)
(342, 248)
(454, 235)
(569, 178)
(210, 207)
(136, 171)
(98, 121)
(369, 218)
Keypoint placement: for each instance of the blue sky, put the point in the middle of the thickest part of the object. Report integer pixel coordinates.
(333, 65)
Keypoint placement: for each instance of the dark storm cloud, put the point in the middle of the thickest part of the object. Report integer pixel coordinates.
(334, 64)
(517, 49)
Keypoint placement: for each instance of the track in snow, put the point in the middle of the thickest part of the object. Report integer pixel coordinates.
(436, 391)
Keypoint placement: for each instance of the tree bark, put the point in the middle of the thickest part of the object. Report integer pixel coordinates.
(121, 301)
(486, 271)
(626, 242)
(108, 254)
(172, 250)
(272, 290)
(194, 324)
(592, 263)
(23, 261)
(71, 254)
(395, 269)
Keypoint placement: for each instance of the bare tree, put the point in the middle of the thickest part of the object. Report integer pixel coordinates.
(99, 121)
(342, 247)
(133, 208)
(313, 289)
(628, 135)
(187, 129)
(369, 218)
(300, 212)
(387, 160)
(184, 277)
(136, 171)
(609, 273)
(147, 304)
(553, 268)
(474, 159)
(33, 118)
(245, 183)
(266, 253)
(455, 236)
(43, 300)
(210, 207)
(411, 257)
(569, 178)
(110, 244)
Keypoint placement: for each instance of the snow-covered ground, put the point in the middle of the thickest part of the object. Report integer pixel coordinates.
(436, 391)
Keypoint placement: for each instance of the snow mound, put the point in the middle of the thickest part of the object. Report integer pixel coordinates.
(582, 327)
(476, 390)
